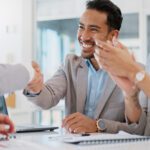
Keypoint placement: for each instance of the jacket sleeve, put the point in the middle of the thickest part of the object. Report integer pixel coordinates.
(53, 90)
(12, 78)
(134, 128)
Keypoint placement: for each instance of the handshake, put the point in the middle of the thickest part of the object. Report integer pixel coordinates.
(36, 84)
(15, 77)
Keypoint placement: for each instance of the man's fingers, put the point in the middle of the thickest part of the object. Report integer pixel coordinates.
(102, 53)
(36, 81)
(65, 121)
(98, 43)
(107, 47)
(35, 66)
(35, 88)
(37, 77)
(73, 123)
(74, 126)
(37, 72)
(36, 85)
(80, 130)
(110, 46)
(69, 117)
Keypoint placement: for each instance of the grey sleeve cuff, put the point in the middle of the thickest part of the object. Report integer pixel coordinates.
(133, 128)
(45, 99)
(29, 94)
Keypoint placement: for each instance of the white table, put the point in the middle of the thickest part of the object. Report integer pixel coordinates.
(51, 141)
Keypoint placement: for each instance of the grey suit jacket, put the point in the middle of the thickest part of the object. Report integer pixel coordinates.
(70, 81)
(145, 102)
(12, 77)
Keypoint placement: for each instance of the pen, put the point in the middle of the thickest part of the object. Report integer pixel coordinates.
(85, 134)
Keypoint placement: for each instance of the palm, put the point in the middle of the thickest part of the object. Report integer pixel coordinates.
(124, 83)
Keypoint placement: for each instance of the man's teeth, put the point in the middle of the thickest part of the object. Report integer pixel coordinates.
(87, 45)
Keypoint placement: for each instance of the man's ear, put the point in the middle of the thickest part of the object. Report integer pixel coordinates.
(113, 34)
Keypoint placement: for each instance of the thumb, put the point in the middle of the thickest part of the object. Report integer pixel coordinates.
(35, 66)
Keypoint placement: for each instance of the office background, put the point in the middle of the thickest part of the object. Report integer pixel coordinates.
(45, 30)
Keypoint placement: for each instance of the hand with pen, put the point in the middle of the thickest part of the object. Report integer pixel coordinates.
(6, 125)
(79, 123)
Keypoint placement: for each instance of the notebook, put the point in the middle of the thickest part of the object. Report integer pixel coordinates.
(26, 128)
(104, 138)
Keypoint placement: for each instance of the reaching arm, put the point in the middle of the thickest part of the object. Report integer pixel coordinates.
(121, 66)
(133, 109)
(13, 77)
(79, 123)
(46, 94)
(133, 128)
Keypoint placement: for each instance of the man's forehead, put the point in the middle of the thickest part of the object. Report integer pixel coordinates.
(93, 17)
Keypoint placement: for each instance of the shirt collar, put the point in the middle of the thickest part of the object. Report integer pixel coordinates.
(90, 66)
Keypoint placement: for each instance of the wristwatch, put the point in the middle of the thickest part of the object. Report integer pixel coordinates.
(101, 125)
(139, 76)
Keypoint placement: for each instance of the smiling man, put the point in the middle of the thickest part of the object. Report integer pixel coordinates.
(93, 101)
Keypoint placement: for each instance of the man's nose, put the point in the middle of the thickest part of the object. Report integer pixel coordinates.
(85, 36)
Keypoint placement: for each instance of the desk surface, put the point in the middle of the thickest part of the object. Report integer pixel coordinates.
(50, 140)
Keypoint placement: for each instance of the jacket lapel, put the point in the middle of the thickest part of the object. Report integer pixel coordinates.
(110, 85)
(82, 82)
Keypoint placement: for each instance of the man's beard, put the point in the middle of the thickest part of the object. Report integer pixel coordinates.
(88, 56)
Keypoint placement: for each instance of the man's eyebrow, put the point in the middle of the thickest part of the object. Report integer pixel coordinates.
(95, 26)
(91, 26)
(81, 24)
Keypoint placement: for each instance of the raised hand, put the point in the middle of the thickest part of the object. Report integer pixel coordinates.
(121, 67)
(118, 62)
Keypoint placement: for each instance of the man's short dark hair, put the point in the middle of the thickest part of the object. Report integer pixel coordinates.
(114, 15)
